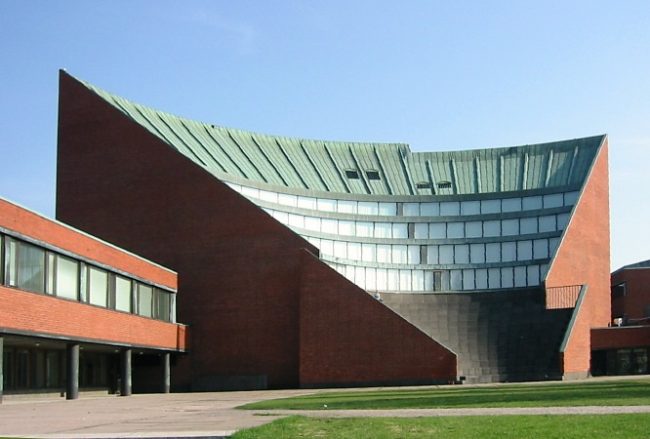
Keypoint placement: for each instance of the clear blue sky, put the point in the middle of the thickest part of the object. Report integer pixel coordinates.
(436, 75)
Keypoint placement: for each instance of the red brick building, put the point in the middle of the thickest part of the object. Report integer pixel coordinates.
(79, 312)
(312, 263)
(631, 293)
(624, 347)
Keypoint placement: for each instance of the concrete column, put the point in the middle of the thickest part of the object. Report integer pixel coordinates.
(1, 368)
(72, 371)
(126, 389)
(166, 373)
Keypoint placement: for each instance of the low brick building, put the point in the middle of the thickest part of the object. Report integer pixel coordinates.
(623, 348)
(77, 312)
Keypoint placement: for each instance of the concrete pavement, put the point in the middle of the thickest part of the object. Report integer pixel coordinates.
(154, 415)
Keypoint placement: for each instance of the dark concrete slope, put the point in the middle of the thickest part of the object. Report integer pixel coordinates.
(498, 336)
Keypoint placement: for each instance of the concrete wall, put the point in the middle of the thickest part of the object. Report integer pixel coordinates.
(498, 336)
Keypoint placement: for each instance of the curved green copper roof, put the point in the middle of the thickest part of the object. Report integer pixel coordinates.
(318, 165)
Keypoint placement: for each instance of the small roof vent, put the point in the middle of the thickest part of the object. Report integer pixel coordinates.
(444, 184)
(352, 174)
(423, 185)
(372, 174)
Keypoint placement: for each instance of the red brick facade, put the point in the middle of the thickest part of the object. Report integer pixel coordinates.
(31, 313)
(356, 342)
(617, 338)
(634, 300)
(583, 259)
(241, 269)
(37, 314)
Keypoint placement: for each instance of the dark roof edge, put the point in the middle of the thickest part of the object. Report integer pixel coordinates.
(642, 265)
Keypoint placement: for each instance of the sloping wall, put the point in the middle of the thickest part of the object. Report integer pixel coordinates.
(239, 269)
(349, 337)
(583, 258)
(504, 335)
(239, 266)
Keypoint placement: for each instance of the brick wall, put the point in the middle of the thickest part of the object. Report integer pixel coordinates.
(239, 281)
(637, 295)
(31, 312)
(583, 258)
(349, 337)
(619, 338)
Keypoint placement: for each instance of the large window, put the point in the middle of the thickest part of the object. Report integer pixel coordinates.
(25, 266)
(145, 300)
(123, 294)
(66, 277)
(97, 287)
(163, 305)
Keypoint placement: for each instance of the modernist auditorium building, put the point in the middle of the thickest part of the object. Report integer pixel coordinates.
(308, 263)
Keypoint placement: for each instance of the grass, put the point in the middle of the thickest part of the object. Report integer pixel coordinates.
(597, 393)
(483, 427)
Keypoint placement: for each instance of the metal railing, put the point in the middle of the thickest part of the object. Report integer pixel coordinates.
(562, 297)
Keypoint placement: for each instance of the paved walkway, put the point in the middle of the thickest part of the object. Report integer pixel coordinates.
(201, 415)
(155, 415)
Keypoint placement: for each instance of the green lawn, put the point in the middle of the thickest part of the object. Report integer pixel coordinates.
(625, 392)
(483, 427)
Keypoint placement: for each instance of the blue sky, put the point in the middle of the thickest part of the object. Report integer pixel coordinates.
(436, 75)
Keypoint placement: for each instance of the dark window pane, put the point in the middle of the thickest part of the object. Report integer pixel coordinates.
(373, 175)
(352, 173)
(163, 305)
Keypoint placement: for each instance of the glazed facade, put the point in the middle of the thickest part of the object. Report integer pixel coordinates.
(407, 246)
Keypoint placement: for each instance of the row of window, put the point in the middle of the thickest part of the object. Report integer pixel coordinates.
(437, 230)
(446, 254)
(443, 208)
(32, 268)
(504, 205)
(386, 279)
